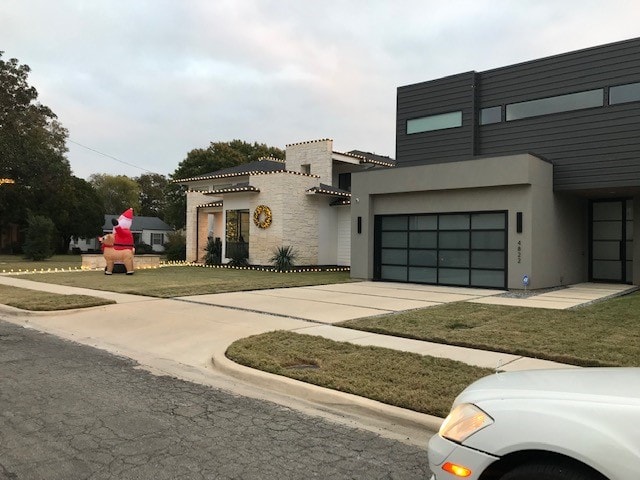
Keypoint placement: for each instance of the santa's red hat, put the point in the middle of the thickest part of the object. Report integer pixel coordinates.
(126, 218)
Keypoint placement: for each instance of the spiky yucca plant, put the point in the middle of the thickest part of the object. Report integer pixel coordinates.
(283, 258)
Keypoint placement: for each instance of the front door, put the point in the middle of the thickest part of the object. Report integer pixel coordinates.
(611, 249)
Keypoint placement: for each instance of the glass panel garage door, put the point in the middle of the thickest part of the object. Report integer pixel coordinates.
(464, 249)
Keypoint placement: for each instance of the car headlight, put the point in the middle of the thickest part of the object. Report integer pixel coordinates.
(463, 421)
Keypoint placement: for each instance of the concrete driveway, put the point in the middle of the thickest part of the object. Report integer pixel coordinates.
(339, 302)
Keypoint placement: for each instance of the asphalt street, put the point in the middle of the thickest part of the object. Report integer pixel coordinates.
(69, 411)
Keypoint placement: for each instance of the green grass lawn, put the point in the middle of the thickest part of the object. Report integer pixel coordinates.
(42, 301)
(408, 380)
(605, 333)
(16, 263)
(177, 281)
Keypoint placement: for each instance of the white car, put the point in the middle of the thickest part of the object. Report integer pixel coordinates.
(566, 424)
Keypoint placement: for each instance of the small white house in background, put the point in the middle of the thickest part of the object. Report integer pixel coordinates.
(303, 201)
(149, 230)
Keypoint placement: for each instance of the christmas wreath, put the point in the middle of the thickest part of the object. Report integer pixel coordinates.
(262, 216)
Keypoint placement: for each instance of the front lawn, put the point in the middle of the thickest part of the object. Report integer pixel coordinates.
(178, 281)
(605, 333)
(15, 263)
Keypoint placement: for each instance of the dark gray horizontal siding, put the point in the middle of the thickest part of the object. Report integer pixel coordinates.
(589, 148)
(607, 177)
(577, 71)
(445, 95)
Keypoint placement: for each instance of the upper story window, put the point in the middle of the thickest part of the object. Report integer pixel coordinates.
(560, 103)
(490, 115)
(624, 93)
(344, 181)
(434, 122)
(305, 168)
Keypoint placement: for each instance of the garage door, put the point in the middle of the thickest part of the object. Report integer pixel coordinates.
(464, 249)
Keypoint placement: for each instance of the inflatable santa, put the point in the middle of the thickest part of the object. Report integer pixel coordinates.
(123, 238)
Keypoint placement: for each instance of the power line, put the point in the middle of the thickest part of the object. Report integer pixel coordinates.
(111, 157)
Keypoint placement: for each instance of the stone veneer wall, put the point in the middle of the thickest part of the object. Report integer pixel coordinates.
(194, 224)
(203, 232)
(315, 153)
(295, 218)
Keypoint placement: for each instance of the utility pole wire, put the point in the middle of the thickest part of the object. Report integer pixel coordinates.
(111, 157)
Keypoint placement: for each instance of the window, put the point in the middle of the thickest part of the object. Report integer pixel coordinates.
(490, 115)
(305, 168)
(624, 93)
(157, 239)
(561, 103)
(434, 122)
(344, 181)
(237, 233)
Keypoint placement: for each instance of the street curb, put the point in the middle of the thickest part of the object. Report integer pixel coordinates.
(325, 396)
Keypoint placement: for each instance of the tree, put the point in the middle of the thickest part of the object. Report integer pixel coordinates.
(175, 247)
(40, 238)
(118, 192)
(216, 156)
(32, 155)
(85, 212)
(152, 194)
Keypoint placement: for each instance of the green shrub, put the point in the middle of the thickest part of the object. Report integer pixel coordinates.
(213, 252)
(175, 248)
(239, 256)
(143, 248)
(283, 258)
(39, 238)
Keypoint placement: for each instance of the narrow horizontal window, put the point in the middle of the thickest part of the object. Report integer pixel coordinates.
(561, 103)
(490, 115)
(434, 122)
(624, 93)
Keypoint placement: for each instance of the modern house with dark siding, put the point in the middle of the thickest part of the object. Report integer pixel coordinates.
(528, 173)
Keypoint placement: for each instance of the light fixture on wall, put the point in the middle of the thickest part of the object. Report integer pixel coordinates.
(519, 222)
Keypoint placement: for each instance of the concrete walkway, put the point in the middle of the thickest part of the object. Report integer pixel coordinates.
(188, 336)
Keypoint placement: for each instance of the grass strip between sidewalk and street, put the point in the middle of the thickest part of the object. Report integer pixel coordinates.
(602, 334)
(408, 380)
(26, 299)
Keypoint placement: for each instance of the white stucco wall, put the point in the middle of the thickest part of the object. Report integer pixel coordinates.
(344, 235)
(327, 232)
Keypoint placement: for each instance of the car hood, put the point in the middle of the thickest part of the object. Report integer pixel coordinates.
(612, 385)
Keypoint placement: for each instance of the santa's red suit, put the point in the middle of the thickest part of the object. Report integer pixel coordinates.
(122, 231)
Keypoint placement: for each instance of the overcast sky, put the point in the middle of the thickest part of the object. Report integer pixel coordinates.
(146, 81)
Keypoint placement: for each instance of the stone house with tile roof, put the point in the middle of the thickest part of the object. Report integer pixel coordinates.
(302, 201)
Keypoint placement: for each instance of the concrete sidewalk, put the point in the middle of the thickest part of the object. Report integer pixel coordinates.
(188, 336)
